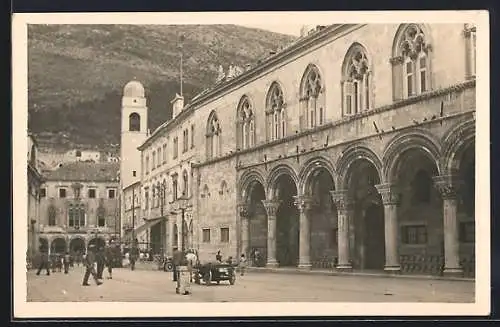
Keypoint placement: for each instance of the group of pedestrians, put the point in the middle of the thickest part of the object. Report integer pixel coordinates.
(96, 260)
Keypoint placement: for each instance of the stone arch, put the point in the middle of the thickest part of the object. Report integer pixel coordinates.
(349, 156)
(454, 143)
(401, 30)
(278, 171)
(308, 170)
(413, 139)
(355, 46)
(58, 244)
(77, 242)
(307, 70)
(246, 182)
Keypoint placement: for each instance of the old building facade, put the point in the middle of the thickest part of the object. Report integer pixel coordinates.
(35, 180)
(352, 148)
(79, 206)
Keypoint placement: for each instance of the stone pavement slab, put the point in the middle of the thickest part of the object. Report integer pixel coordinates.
(157, 286)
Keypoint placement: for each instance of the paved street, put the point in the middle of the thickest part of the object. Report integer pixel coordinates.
(157, 286)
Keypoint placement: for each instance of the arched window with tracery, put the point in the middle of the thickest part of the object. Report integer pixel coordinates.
(185, 183)
(312, 99)
(213, 136)
(356, 81)
(134, 122)
(245, 124)
(411, 63)
(275, 113)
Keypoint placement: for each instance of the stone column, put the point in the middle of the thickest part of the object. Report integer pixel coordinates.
(343, 204)
(245, 229)
(390, 198)
(271, 207)
(170, 234)
(448, 187)
(303, 203)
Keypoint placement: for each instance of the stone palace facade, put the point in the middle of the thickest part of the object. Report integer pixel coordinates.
(352, 148)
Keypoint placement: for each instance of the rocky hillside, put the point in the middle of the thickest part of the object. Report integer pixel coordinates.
(76, 72)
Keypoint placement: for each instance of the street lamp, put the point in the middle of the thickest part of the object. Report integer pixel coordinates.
(161, 190)
(183, 206)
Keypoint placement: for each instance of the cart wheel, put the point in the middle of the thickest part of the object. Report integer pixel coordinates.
(168, 266)
(232, 280)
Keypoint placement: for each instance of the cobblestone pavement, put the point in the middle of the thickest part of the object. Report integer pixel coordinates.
(157, 286)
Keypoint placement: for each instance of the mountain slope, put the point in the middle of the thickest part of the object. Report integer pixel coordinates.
(76, 72)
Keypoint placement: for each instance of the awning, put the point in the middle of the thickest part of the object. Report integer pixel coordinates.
(148, 224)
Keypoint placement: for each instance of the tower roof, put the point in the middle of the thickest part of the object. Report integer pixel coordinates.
(133, 89)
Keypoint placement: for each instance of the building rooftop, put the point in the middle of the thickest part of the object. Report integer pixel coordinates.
(85, 171)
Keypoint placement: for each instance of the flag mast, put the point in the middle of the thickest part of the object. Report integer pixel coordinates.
(181, 52)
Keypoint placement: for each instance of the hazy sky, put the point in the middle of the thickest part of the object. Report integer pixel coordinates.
(281, 28)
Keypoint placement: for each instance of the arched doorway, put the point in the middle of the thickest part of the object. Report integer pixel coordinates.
(175, 237)
(98, 242)
(58, 246)
(466, 210)
(257, 221)
(367, 234)
(287, 222)
(77, 246)
(323, 219)
(419, 214)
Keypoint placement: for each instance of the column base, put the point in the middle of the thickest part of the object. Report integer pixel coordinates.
(272, 264)
(453, 272)
(304, 266)
(393, 270)
(344, 267)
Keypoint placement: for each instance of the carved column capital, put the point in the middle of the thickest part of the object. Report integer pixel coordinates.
(390, 193)
(396, 60)
(243, 210)
(303, 203)
(448, 186)
(271, 207)
(342, 200)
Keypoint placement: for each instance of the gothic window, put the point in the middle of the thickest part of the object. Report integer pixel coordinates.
(176, 147)
(164, 191)
(312, 98)
(146, 198)
(153, 166)
(164, 153)
(147, 165)
(76, 215)
(52, 215)
(410, 62)
(159, 157)
(185, 185)
(213, 136)
(174, 187)
(153, 196)
(101, 216)
(134, 122)
(245, 124)
(275, 113)
(192, 136)
(470, 47)
(356, 81)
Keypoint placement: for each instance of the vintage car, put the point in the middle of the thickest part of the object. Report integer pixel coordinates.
(214, 272)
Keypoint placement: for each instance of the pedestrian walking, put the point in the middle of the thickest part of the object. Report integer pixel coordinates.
(90, 260)
(243, 264)
(133, 256)
(101, 261)
(66, 262)
(218, 256)
(44, 260)
(177, 260)
(109, 256)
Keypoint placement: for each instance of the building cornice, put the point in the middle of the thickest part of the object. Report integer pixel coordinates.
(301, 45)
(345, 120)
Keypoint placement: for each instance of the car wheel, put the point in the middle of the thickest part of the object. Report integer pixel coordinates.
(218, 282)
(169, 266)
(232, 280)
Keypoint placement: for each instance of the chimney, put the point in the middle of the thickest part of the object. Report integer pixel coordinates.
(177, 105)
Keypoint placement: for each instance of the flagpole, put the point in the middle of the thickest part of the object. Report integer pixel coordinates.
(180, 48)
(181, 70)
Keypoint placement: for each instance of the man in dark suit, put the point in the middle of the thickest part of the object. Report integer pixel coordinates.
(44, 260)
(90, 260)
(101, 261)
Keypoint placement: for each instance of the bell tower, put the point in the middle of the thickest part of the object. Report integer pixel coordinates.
(134, 132)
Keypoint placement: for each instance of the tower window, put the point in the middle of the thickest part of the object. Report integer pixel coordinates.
(134, 173)
(134, 122)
